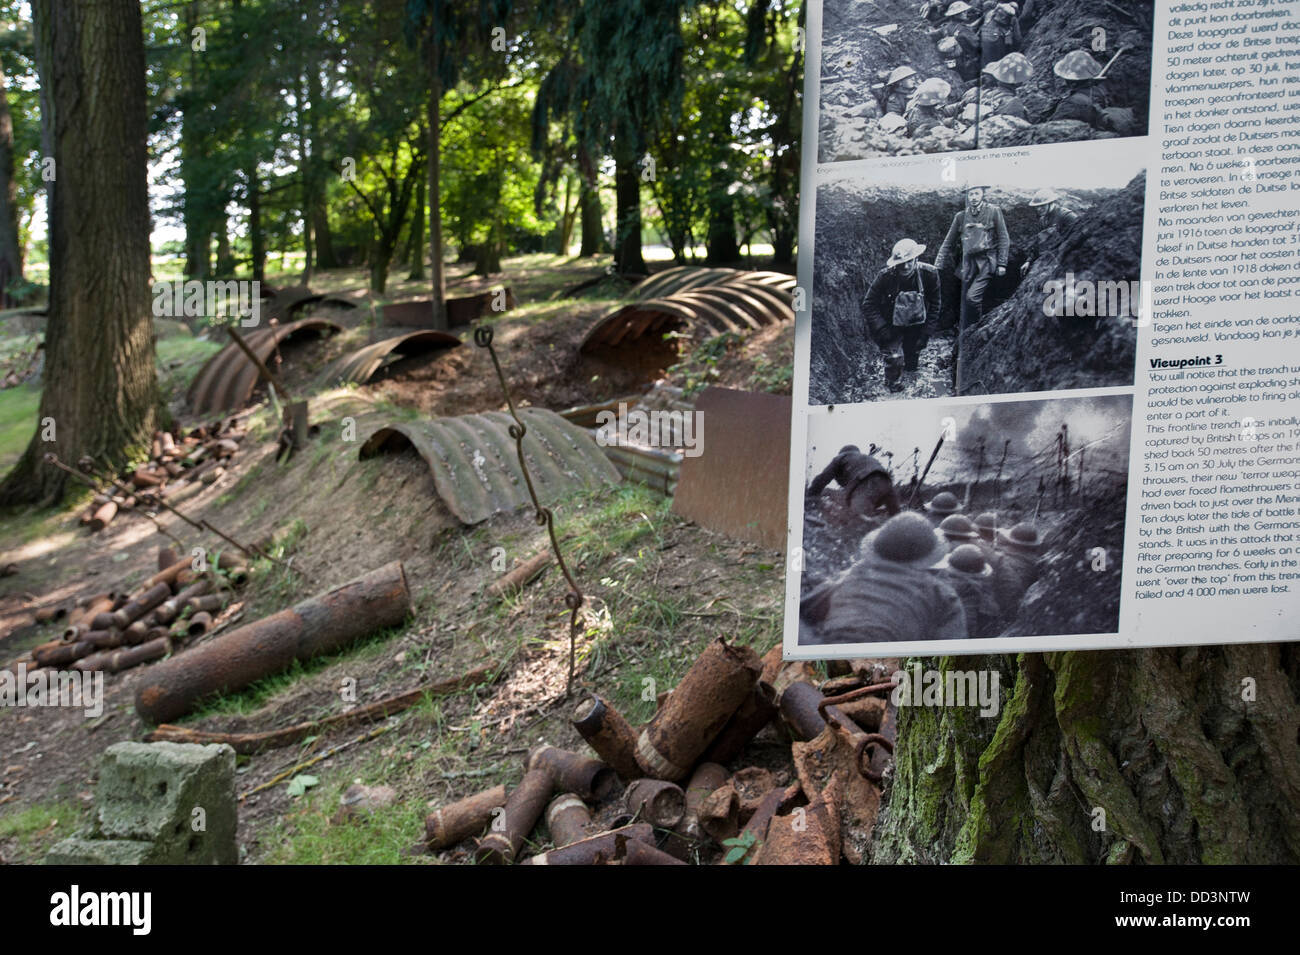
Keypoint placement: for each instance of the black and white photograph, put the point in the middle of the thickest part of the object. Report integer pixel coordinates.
(955, 522)
(900, 77)
(940, 278)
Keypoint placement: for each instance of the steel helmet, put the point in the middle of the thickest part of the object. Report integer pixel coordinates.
(907, 538)
(1043, 196)
(932, 92)
(1021, 537)
(957, 9)
(1014, 69)
(968, 559)
(945, 502)
(987, 524)
(958, 526)
(1010, 9)
(1077, 65)
(905, 250)
(899, 73)
(948, 46)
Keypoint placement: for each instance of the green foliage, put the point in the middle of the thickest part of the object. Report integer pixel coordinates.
(700, 368)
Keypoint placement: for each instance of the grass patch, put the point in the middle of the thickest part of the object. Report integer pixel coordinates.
(36, 828)
(19, 407)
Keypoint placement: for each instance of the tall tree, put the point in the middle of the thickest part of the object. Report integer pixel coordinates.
(100, 393)
(11, 255)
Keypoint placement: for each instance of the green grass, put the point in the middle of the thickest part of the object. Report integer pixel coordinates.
(18, 418)
(38, 827)
(180, 356)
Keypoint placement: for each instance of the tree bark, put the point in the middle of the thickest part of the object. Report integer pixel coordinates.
(627, 237)
(11, 253)
(1184, 764)
(436, 274)
(416, 256)
(256, 238)
(100, 395)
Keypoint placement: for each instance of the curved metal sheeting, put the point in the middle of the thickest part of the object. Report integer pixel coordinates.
(228, 379)
(360, 366)
(734, 305)
(475, 466)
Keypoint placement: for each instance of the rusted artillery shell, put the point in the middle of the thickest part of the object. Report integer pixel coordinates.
(755, 713)
(589, 778)
(799, 708)
(208, 603)
(719, 814)
(103, 516)
(169, 574)
(640, 853)
(449, 825)
(523, 809)
(198, 624)
(104, 639)
(135, 634)
(656, 801)
(169, 610)
(114, 661)
(59, 653)
(166, 557)
(141, 605)
(706, 778)
(50, 614)
(321, 624)
(102, 621)
(808, 838)
(92, 608)
(567, 817)
(74, 632)
(599, 849)
(691, 718)
(518, 577)
(605, 731)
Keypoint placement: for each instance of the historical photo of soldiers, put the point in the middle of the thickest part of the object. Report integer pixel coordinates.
(984, 521)
(940, 278)
(903, 76)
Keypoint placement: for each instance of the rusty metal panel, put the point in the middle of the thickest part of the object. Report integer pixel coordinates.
(228, 379)
(359, 366)
(463, 310)
(475, 467)
(680, 279)
(738, 485)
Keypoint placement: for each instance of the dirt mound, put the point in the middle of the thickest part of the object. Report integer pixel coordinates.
(1019, 348)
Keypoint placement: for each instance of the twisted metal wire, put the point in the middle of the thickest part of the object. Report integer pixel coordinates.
(542, 515)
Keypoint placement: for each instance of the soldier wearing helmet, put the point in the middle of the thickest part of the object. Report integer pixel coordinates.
(868, 487)
(1053, 219)
(942, 506)
(902, 297)
(899, 87)
(889, 595)
(977, 243)
(961, 20)
(971, 577)
(924, 112)
(1078, 73)
(1000, 33)
(1010, 71)
(958, 529)
(1017, 566)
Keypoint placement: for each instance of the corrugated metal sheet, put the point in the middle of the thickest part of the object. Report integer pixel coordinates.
(228, 379)
(361, 365)
(739, 485)
(736, 305)
(462, 310)
(683, 278)
(475, 467)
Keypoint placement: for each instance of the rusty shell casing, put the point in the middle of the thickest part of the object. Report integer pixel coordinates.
(599, 849)
(59, 653)
(523, 809)
(168, 574)
(169, 610)
(118, 660)
(640, 853)
(589, 778)
(141, 605)
(567, 817)
(104, 639)
(707, 778)
(319, 625)
(74, 632)
(103, 621)
(657, 801)
(799, 709)
(198, 624)
(449, 825)
(719, 813)
(208, 603)
(608, 733)
(50, 614)
(135, 634)
(166, 557)
(103, 516)
(93, 607)
(755, 713)
(693, 715)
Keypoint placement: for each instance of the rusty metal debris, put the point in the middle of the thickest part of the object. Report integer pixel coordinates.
(475, 463)
(462, 310)
(683, 278)
(589, 778)
(657, 467)
(523, 808)
(609, 734)
(319, 625)
(738, 485)
(657, 801)
(228, 379)
(449, 825)
(708, 311)
(362, 365)
(601, 849)
(567, 818)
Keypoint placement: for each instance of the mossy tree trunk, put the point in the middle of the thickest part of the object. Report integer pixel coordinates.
(1191, 755)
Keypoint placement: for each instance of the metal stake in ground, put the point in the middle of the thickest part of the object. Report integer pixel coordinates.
(573, 599)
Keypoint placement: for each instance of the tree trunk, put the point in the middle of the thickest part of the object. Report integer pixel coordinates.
(326, 257)
(1142, 756)
(225, 258)
(438, 277)
(256, 238)
(721, 247)
(416, 256)
(100, 393)
(627, 237)
(304, 172)
(11, 253)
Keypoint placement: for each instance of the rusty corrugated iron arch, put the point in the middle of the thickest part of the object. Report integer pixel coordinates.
(228, 379)
(361, 365)
(475, 467)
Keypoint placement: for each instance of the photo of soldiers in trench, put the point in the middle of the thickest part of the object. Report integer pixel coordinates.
(981, 522)
(902, 77)
(924, 291)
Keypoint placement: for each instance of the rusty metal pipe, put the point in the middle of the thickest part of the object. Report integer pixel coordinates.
(706, 778)
(141, 605)
(523, 809)
(103, 516)
(608, 733)
(755, 713)
(198, 624)
(115, 661)
(169, 610)
(640, 853)
(656, 801)
(208, 603)
(598, 849)
(319, 625)
(104, 639)
(589, 778)
(59, 653)
(691, 718)
(567, 817)
(449, 825)
(802, 705)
